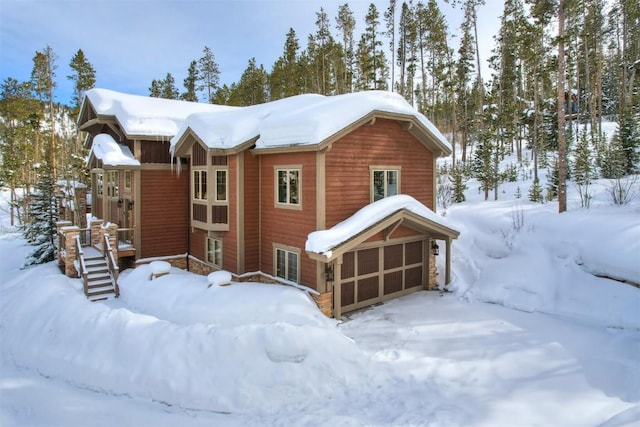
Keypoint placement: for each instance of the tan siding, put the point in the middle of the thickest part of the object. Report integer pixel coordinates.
(251, 213)
(384, 143)
(288, 226)
(164, 212)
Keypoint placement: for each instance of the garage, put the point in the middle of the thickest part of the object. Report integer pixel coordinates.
(374, 274)
(382, 251)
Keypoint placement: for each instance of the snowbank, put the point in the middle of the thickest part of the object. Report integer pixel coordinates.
(549, 262)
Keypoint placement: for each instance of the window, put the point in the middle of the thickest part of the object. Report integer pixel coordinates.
(221, 185)
(214, 252)
(288, 186)
(287, 264)
(384, 183)
(200, 185)
(99, 183)
(127, 180)
(113, 189)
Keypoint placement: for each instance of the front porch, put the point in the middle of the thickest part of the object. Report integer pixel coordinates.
(95, 254)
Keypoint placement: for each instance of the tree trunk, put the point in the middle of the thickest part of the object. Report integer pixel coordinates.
(562, 165)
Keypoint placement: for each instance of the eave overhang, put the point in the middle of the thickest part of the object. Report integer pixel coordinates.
(387, 225)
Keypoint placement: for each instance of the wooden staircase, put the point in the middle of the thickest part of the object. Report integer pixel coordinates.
(100, 284)
(98, 270)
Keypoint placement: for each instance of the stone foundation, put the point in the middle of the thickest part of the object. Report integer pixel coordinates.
(179, 261)
(433, 273)
(324, 303)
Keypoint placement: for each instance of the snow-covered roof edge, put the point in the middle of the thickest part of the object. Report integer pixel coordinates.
(324, 241)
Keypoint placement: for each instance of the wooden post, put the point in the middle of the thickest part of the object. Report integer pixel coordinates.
(447, 275)
(337, 288)
(112, 230)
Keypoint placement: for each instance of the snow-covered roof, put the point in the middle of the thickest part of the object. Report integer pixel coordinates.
(144, 115)
(298, 120)
(111, 153)
(323, 242)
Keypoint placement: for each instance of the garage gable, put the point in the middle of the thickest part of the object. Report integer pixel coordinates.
(384, 216)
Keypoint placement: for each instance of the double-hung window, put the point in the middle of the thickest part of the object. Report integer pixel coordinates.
(288, 186)
(127, 180)
(221, 185)
(287, 264)
(99, 183)
(384, 183)
(214, 251)
(113, 187)
(200, 185)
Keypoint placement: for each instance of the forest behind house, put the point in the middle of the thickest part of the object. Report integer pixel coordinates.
(559, 69)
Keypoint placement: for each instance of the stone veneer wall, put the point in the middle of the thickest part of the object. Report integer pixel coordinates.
(433, 272)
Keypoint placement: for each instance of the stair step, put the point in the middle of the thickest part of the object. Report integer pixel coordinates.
(100, 283)
(97, 270)
(104, 289)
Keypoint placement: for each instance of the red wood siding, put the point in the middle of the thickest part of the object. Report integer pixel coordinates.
(288, 226)
(251, 213)
(384, 143)
(164, 212)
(197, 243)
(230, 238)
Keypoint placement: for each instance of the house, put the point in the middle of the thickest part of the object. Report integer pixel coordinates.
(334, 193)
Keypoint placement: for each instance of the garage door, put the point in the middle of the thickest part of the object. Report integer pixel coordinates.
(375, 274)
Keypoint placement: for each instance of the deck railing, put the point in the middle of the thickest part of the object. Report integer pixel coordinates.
(126, 238)
(80, 265)
(111, 263)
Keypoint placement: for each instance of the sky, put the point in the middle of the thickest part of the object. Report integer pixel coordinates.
(132, 42)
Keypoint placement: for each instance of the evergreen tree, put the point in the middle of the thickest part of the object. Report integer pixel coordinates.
(535, 192)
(40, 230)
(377, 69)
(155, 90)
(251, 89)
(20, 124)
(208, 74)
(191, 83)
(286, 77)
(628, 139)
(390, 21)
(583, 168)
(83, 78)
(346, 24)
(458, 180)
(169, 90)
(43, 83)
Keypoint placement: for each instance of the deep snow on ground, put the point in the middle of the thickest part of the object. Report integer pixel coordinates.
(528, 336)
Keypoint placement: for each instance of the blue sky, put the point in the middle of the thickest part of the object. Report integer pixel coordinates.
(132, 42)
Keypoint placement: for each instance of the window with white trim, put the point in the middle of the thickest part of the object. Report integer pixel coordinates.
(127, 180)
(214, 252)
(287, 264)
(99, 183)
(288, 186)
(113, 187)
(200, 185)
(384, 183)
(221, 185)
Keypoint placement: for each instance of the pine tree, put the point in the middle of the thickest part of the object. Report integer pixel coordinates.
(43, 82)
(583, 168)
(83, 79)
(390, 21)
(628, 138)
(459, 184)
(40, 230)
(346, 24)
(535, 192)
(208, 74)
(251, 89)
(20, 124)
(191, 83)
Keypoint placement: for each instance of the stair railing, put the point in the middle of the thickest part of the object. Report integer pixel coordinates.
(112, 264)
(82, 268)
